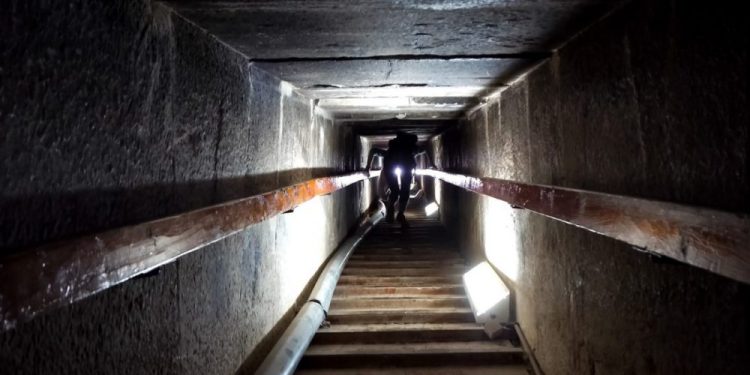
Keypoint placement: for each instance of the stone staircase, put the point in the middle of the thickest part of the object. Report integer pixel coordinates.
(400, 308)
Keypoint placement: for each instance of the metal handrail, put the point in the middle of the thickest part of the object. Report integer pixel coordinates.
(61, 273)
(713, 240)
(288, 351)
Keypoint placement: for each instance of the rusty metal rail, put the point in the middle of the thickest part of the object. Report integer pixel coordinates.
(61, 273)
(713, 240)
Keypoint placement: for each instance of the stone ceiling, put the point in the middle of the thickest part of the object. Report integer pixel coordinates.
(376, 64)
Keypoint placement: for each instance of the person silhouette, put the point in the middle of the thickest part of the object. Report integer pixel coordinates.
(399, 161)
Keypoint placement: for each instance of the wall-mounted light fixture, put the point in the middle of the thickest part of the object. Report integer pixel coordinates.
(431, 209)
(488, 296)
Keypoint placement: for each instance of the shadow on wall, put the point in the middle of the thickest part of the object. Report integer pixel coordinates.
(31, 220)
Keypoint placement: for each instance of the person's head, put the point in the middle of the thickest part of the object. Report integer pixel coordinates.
(406, 137)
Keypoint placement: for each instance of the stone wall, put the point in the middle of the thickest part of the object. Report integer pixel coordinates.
(114, 113)
(652, 102)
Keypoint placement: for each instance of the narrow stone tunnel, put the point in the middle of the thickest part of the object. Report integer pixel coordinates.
(124, 122)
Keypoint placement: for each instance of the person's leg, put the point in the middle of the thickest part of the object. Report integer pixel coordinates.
(403, 195)
(392, 179)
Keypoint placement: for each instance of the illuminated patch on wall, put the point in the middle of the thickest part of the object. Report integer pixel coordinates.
(500, 241)
(303, 244)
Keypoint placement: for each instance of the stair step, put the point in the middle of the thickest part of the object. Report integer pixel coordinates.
(399, 280)
(400, 308)
(398, 333)
(405, 263)
(411, 250)
(430, 354)
(434, 227)
(396, 301)
(401, 257)
(415, 232)
(422, 370)
(443, 271)
(403, 291)
(430, 252)
(423, 234)
(400, 315)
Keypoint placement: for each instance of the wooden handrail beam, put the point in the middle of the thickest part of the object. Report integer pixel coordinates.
(61, 273)
(713, 240)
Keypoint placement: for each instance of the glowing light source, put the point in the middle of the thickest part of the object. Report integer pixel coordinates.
(397, 171)
(431, 209)
(488, 295)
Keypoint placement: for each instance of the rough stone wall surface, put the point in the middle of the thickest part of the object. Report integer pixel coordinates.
(113, 113)
(652, 102)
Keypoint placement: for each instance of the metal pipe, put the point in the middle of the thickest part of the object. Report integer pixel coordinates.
(288, 351)
(527, 349)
